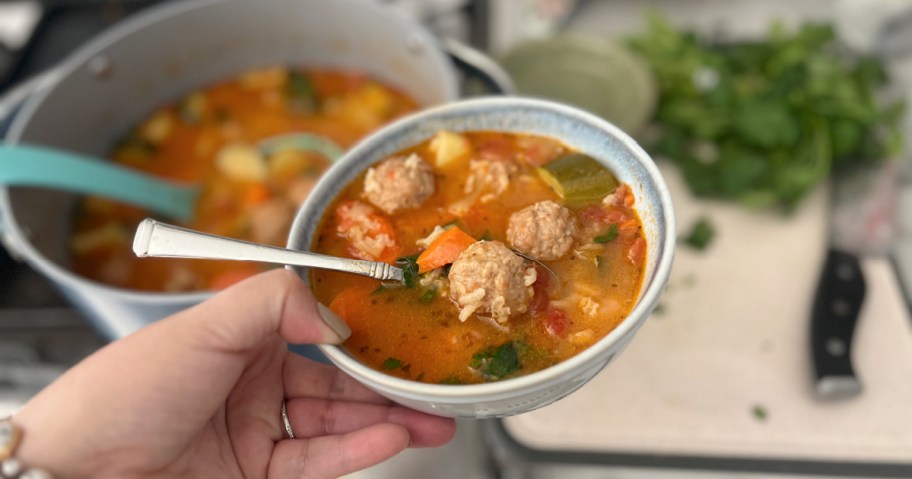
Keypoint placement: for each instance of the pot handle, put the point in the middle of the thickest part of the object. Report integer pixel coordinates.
(476, 64)
(10, 102)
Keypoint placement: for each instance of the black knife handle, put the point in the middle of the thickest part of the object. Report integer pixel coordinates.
(838, 300)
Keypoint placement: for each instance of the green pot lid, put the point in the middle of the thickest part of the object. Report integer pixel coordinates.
(587, 71)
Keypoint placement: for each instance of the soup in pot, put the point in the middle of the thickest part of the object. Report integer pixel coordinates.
(215, 137)
(518, 254)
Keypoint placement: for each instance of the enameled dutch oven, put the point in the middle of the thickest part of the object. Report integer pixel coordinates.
(157, 56)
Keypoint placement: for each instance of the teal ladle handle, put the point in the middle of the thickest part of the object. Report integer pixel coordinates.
(22, 165)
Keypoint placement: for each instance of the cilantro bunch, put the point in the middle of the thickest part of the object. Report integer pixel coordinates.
(763, 122)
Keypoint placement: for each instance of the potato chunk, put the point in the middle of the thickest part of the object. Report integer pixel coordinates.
(449, 149)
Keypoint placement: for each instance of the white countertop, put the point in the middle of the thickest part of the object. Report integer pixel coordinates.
(733, 337)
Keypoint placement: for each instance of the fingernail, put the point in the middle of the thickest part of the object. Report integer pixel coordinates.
(335, 323)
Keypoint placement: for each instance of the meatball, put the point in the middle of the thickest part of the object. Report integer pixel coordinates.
(544, 231)
(399, 183)
(491, 280)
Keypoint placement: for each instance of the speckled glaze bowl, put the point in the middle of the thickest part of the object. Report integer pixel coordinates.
(578, 130)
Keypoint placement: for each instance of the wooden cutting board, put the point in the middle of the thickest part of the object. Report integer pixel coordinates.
(724, 370)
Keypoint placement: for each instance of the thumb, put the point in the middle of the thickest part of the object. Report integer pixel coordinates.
(244, 315)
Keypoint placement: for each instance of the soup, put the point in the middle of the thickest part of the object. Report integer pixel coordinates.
(518, 252)
(213, 137)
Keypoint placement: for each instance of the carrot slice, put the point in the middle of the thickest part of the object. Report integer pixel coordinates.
(444, 249)
(256, 194)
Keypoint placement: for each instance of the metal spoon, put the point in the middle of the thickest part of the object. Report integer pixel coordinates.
(155, 239)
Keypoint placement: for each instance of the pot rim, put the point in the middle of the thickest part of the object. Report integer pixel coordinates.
(539, 379)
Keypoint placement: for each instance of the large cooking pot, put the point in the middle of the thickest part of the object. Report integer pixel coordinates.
(155, 57)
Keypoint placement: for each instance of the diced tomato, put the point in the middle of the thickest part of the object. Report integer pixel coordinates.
(556, 322)
(629, 199)
(540, 300)
(623, 196)
(597, 214)
(637, 251)
(495, 148)
(536, 150)
(540, 295)
(360, 224)
(542, 277)
(629, 228)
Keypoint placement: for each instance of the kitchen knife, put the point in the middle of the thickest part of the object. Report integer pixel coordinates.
(861, 223)
(902, 251)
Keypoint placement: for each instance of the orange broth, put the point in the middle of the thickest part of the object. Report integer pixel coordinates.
(185, 141)
(410, 333)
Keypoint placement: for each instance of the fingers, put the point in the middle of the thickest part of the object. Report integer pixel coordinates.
(304, 377)
(242, 316)
(334, 456)
(311, 417)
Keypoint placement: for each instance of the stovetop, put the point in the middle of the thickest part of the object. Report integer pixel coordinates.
(40, 333)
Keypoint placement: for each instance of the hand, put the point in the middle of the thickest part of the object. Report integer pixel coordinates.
(199, 394)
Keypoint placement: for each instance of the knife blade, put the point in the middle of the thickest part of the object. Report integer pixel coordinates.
(861, 223)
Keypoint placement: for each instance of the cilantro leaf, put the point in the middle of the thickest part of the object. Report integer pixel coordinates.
(497, 362)
(609, 235)
(764, 121)
(451, 380)
(701, 234)
(409, 265)
(300, 93)
(428, 295)
(392, 363)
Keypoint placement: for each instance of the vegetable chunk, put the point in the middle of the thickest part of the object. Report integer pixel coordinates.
(444, 249)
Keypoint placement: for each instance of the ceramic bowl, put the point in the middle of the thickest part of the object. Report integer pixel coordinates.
(578, 130)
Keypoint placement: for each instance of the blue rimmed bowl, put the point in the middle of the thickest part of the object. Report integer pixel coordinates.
(578, 130)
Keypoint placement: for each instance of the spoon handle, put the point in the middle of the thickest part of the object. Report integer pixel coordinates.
(155, 239)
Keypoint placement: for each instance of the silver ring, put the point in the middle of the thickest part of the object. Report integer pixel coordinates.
(287, 423)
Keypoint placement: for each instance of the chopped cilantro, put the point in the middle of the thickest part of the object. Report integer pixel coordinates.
(135, 143)
(659, 309)
(428, 295)
(392, 363)
(451, 380)
(497, 363)
(609, 235)
(759, 412)
(409, 265)
(300, 93)
(764, 121)
(530, 353)
(701, 234)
